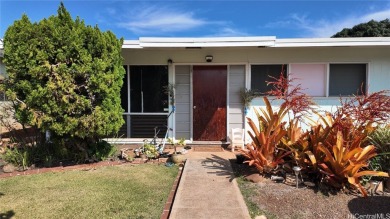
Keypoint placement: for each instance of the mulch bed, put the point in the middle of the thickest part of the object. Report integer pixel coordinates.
(279, 200)
(77, 167)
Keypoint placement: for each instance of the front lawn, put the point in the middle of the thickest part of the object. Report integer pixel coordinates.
(125, 191)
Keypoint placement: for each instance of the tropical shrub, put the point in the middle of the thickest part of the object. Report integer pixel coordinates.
(263, 152)
(342, 165)
(335, 150)
(380, 138)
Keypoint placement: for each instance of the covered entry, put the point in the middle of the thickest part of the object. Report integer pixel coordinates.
(209, 103)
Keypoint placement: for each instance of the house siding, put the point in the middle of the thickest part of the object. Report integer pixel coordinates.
(183, 102)
(236, 83)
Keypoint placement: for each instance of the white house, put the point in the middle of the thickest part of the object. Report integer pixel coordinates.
(208, 74)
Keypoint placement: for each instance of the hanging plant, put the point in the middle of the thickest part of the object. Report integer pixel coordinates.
(170, 91)
(247, 95)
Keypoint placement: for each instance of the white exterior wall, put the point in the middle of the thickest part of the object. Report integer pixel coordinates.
(377, 58)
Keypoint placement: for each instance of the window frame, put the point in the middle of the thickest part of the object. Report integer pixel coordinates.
(349, 63)
(327, 81)
(271, 63)
(129, 88)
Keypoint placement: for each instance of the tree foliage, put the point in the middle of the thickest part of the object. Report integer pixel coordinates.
(64, 76)
(369, 29)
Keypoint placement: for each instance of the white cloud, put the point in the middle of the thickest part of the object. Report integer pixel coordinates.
(111, 11)
(229, 32)
(154, 19)
(327, 28)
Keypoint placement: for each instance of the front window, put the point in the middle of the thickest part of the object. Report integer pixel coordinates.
(347, 79)
(260, 74)
(147, 89)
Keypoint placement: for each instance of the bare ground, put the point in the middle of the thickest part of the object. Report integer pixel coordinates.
(281, 200)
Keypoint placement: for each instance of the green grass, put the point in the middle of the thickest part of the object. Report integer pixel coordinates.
(248, 191)
(125, 191)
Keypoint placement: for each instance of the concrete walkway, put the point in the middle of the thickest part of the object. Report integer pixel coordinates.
(208, 189)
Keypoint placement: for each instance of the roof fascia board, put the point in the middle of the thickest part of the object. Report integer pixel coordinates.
(211, 44)
(131, 44)
(322, 42)
(205, 40)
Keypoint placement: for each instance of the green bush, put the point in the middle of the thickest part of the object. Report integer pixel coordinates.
(380, 138)
(22, 157)
(65, 77)
(101, 150)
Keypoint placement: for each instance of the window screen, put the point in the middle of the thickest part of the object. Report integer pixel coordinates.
(347, 79)
(147, 88)
(260, 74)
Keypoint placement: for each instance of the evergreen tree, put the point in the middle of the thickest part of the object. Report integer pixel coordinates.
(369, 29)
(65, 76)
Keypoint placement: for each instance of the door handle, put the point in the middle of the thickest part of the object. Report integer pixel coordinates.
(194, 107)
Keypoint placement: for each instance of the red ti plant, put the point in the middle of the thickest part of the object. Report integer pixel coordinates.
(292, 95)
(358, 115)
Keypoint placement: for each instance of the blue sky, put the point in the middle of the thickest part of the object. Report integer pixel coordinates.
(134, 19)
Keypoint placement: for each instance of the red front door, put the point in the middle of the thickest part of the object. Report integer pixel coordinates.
(209, 103)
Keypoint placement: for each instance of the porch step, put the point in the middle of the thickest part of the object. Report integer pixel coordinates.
(209, 146)
(209, 143)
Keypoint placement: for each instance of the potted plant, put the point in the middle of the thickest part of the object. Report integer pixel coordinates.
(170, 91)
(177, 157)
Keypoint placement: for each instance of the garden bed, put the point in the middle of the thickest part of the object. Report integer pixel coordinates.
(278, 200)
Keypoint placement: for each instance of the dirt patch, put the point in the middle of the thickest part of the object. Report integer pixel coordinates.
(278, 200)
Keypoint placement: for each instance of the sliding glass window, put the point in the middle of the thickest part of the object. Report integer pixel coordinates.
(147, 89)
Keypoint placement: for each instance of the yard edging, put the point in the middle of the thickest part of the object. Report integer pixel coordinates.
(169, 203)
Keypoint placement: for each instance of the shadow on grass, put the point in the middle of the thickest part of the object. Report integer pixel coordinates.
(7, 215)
(372, 205)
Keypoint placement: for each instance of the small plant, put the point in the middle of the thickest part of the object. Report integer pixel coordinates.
(247, 95)
(180, 142)
(150, 151)
(101, 150)
(21, 157)
(170, 91)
